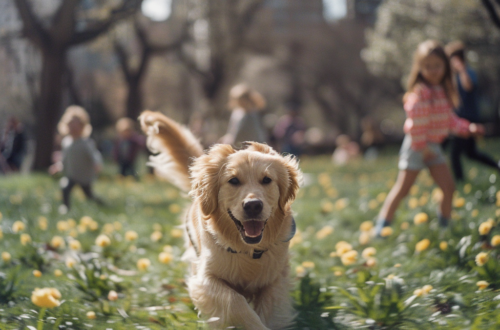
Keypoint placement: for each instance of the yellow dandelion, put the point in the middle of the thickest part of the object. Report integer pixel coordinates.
(381, 197)
(482, 285)
(300, 271)
(117, 225)
(372, 204)
(165, 257)
(422, 245)
(143, 263)
(413, 203)
(91, 315)
(437, 195)
(71, 223)
(46, 297)
(58, 273)
(324, 232)
(427, 288)
(62, 225)
(37, 273)
(482, 258)
(176, 233)
(341, 204)
(349, 257)
(6, 256)
(371, 262)
(366, 225)
(43, 223)
(102, 241)
(81, 228)
(484, 228)
(18, 226)
(86, 221)
(397, 265)
(57, 242)
(75, 245)
(414, 190)
(418, 292)
(423, 200)
(308, 264)
(73, 233)
(327, 207)
(174, 208)
(364, 238)
(495, 240)
(405, 225)
(156, 236)
(112, 295)
(93, 226)
(25, 239)
(474, 213)
(108, 228)
(467, 188)
(443, 246)
(131, 235)
(168, 248)
(338, 273)
(324, 179)
(386, 231)
(342, 247)
(459, 202)
(70, 262)
(368, 252)
(420, 218)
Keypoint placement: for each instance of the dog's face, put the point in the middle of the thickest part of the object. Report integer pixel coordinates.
(248, 189)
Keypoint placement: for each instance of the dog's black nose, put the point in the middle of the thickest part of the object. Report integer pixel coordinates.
(253, 207)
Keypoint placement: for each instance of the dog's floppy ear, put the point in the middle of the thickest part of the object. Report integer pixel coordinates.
(289, 185)
(205, 173)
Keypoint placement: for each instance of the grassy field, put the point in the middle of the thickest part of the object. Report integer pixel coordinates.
(418, 277)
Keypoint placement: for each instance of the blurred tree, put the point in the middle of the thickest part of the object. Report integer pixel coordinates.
(493, 11)
(73, 23)
(134, 66)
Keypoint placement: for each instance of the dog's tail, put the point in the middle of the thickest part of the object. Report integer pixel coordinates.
(174, 145)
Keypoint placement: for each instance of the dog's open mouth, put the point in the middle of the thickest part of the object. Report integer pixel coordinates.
(251, 230)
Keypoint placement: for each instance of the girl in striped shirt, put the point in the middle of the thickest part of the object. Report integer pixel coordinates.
(429, 104)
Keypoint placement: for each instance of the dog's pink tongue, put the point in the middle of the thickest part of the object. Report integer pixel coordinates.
(253, 228)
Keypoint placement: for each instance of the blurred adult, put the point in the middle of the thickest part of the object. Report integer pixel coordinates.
(245, 123)
(127, 146)
(290, 130)
(467, 84)
(13, 145)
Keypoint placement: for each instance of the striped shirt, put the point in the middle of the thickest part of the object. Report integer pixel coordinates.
(430, 116)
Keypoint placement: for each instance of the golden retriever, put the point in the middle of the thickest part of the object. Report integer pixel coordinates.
(238, 226)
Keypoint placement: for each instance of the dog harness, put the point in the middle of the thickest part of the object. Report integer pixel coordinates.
(256, 253)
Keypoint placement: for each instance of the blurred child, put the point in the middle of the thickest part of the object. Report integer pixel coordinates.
(290, 130)
(429, 104)
(245, 123)
(127, 146)
(80, 159)
(345, 151)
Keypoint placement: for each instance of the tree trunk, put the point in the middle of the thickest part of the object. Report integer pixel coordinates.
(134, 98)
(48, 109)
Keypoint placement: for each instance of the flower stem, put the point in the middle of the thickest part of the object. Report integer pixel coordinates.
(40, 319)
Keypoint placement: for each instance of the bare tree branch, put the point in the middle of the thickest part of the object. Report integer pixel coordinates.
(32, 27)
(490, 7)
(63, 23)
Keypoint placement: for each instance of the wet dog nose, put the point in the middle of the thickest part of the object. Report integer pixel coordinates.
(253, 207)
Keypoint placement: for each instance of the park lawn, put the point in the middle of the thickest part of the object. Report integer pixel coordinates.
(336, 286)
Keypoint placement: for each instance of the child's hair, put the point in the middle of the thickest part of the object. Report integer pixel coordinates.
(425, 49)
(71, 112)
(455, 48)
(243, 96)
(124, 124)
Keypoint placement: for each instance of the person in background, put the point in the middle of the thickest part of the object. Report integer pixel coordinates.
(81, 161)
(127, 146)
(428, 102)
(345, 151)
(13, 146)
(467, 83)
(245, 123)
(290, 130)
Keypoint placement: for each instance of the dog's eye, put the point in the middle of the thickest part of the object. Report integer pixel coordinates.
(266, 180)
(234, 181)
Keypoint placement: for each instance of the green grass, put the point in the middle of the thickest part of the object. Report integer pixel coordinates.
(327, 293)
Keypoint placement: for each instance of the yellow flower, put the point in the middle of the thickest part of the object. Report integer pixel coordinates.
(412, 203)
(368, 252)
(372, 204)
(484, 228)
(176, 233)
(301, 271)
(405, 225)
(459, 202)
(156, 236)
(117, 225)
(37, 273)
(91, 315)
(75, 245)
(349, 257)
(81, 228)
(342, 247)
(386, 231)
(371, 262)
(324, 232)
(57, 242)
(62, 225)
(327, 207)
(423, 200)
(364, 238)
(381, 197)
(70, 262)
(71, 223)
(168, 248)
(324, 179)
(174, 208)
(6, 256)
(414, 190)
(165, 257)
(418, 292)
(25, 239)
(46, 297)
(366, 225)
(467, 188)
(474, 213)
(102, 241)
(58, 273)
(308, 264)
(427, 288)
(422, 245)
(131, 235)
(341, 204)
(18, 226)
(495, 240)
(93, 226)
(338, 273)
(143, 263)
(112, 295)
(443, 246)
(482, 285)
(86, 221)
(108, 228)
(482, 258)
(421, 218)
(43, 223)
(437, 195)
(397, 265)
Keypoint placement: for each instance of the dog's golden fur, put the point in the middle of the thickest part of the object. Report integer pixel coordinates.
(228, 282)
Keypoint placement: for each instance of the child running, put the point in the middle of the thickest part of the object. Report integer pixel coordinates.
(80, 159)
(429, 103)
